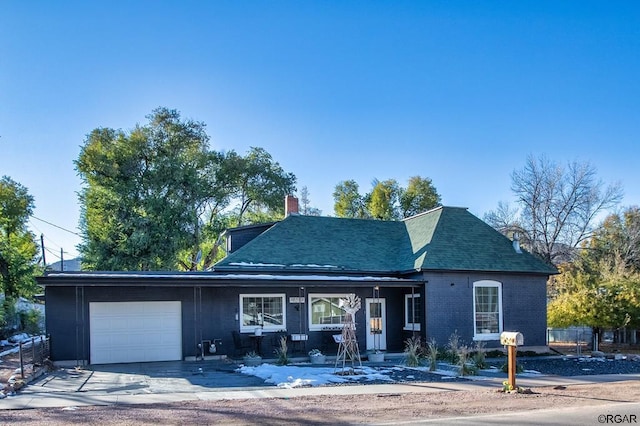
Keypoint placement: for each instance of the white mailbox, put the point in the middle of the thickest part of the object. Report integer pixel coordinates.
(511, 338)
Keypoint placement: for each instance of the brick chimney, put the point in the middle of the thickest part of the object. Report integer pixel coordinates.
(290, 205)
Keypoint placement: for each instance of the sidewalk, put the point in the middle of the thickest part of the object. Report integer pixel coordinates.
(57, 396)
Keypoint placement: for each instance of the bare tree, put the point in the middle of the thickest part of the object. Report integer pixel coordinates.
(305, 204)
(504, 219)
(617, 241)
(558, 206)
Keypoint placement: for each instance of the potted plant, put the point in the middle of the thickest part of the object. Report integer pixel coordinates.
(317, 357)
(376, 356)
(251, 359)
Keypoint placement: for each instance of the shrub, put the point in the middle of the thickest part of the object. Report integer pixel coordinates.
(3, 321)
(453, 348)
(30, 321)
(281, 352)
(432, 354)
(465, 368)
(7, 318)
(479, 356)
(413, 351)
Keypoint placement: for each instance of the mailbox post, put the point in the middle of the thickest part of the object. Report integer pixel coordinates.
(511, 339)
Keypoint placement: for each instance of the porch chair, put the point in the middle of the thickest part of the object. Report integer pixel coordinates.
(240, 346)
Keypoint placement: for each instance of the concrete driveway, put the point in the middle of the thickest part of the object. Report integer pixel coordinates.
(145, 378)
(163, 382)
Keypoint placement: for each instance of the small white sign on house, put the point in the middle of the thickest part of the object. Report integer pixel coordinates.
(296, 300)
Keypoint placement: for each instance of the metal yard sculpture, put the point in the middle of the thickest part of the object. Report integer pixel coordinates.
(348, 349)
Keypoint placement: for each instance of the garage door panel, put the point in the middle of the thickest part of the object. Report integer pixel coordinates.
(135, 331)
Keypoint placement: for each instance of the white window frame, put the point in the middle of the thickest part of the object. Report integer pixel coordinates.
(320, 327)
(487, 336)
(411, 326)
(252, 328)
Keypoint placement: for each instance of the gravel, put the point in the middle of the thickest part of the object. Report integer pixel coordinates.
(558, 366)
(573, 366)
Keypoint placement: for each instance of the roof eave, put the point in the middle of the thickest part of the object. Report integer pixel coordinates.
(493, 271)
(108, 279)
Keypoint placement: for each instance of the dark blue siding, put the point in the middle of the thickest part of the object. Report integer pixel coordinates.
(207, 313)
(210, 312)
(450, 307)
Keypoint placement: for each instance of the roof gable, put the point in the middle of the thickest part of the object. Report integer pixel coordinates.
(451, 238)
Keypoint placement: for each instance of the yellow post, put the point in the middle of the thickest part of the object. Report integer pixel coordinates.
(512, 366)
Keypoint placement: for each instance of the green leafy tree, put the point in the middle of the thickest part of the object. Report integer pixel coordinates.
(601, 288)
(348, 202)
(383, 200)
(387, 199)
(18, 249)
(595, 297)
(259, 184)
(421, 195)
(156, 197)
(142, 191)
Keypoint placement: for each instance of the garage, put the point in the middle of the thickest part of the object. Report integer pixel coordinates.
(135, 331)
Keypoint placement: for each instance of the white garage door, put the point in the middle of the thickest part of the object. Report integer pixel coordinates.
(135, 331)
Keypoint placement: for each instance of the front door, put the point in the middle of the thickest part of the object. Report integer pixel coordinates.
(376, 324)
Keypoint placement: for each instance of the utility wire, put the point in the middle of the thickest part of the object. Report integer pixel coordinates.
(53, 253)
(43, 235)
(59, 227)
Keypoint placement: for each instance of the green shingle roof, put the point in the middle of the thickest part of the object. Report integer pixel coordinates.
(443, 239)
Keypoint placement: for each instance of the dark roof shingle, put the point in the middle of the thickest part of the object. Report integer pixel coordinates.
(446, 238)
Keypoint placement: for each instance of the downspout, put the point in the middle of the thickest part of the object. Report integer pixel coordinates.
(80, 335)
(197, 311)
(413, 311)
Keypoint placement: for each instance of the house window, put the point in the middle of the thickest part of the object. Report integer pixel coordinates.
(262, 310)
(412, 312)
(487, 310)
(326, 311)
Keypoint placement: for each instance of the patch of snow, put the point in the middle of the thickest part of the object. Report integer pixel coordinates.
(296, 376)
(10, 351)
(18, 338)
(530, 373)
(255, 264)
(313, 266)
(591, 359)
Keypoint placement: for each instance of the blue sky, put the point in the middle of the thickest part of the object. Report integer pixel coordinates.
(457, 91)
